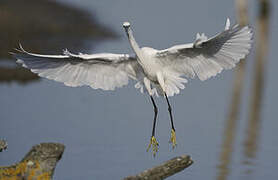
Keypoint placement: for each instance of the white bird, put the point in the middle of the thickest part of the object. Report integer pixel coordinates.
(157, 72)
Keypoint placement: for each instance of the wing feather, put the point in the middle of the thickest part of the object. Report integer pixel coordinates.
(208, 57)
(105, 71)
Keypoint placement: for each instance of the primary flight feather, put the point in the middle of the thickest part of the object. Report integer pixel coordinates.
(157, 72)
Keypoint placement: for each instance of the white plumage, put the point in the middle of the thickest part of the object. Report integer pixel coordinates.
(105, 71)
(157, 71)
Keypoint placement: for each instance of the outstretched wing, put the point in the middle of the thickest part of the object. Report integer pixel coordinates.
(208, 57)
(105, 71)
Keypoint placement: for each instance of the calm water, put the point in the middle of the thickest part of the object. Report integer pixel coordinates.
(106, 133)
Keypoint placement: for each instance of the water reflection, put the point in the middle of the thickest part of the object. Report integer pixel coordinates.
(227, 148)
(233, 115)
(17, 74)
(254, 122)
(44, 26)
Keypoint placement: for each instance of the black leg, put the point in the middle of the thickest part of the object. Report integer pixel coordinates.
(155, 115)
(153, 141)
(173, 131)
(170, 112)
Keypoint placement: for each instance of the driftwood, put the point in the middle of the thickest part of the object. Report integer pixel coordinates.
(164, 170)
(39, 163)
(3, 145)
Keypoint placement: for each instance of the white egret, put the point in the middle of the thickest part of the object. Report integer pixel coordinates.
(157, 72)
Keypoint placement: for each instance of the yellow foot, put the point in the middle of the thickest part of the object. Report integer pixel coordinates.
(173, 139)
(154, 145)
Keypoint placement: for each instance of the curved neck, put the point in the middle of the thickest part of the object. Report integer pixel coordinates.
(133, 43)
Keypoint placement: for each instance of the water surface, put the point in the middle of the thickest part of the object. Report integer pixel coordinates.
(106, 133)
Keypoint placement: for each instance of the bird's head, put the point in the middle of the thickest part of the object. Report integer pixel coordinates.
(126, 25)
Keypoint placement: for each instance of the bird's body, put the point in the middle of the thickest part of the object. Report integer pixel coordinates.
(159, 72)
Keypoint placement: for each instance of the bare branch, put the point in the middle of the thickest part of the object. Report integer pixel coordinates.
(39, 163)
(164, 170)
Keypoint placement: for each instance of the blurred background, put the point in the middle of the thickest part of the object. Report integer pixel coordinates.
(227, 124)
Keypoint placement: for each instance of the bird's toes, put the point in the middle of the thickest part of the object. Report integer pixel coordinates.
(154, 144)
(173, 139)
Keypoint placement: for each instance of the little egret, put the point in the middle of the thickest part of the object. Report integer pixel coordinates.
(157, 72)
